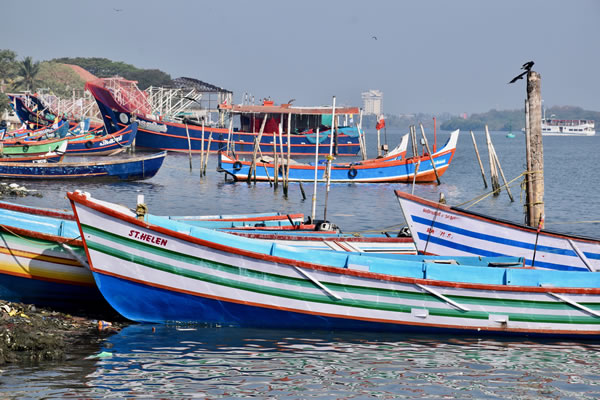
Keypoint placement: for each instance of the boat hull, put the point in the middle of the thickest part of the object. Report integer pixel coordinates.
(181, 137)
(208, 278)
(439, 229)
(397, 169)
(136, 168)
(101, 145)
(36, 268)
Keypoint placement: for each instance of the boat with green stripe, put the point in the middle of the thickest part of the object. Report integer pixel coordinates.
(166, 272)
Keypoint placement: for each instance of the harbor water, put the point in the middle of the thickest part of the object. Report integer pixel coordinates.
(144, 361)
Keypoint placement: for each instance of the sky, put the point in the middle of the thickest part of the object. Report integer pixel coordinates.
(430, 56)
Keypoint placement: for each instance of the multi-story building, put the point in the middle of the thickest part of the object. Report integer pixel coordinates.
(373, 102)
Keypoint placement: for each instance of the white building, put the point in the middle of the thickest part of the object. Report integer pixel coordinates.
(373, 102)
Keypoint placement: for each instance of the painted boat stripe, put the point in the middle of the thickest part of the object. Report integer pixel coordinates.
(525, 304)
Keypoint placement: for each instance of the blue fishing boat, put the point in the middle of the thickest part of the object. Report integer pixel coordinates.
(135, 168)
(441, 229)
(391, 168)
(42, 260)
(30, 110)
(166, 273)
(158, 133)
(98, 143)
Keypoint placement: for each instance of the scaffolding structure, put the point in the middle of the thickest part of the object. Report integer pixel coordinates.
(186, 98)
(80, 106)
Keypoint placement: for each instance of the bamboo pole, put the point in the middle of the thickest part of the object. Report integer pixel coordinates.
(415, 175)
(493, 171)
(283, 182)
(256, 146)
(534, 95)
(206, 158)
(378, 143)
(202, 149)
(187, 132)
(329, 159)
(275, 162)
(314, 196)
(265, 166)
(229, 147)
(289, 150)
(479, 160)
(361, 137)
(437, 177)
(497, 163)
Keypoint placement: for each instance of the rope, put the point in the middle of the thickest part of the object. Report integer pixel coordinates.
(485, 195)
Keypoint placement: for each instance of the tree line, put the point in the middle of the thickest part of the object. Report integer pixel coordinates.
(53, 76)
(514, 120)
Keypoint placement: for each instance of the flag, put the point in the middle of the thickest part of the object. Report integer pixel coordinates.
(380, 122)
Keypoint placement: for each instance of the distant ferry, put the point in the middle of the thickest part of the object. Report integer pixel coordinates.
(568, 127)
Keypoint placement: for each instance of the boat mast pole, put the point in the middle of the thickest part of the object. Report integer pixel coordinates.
(329, 159)
(313, 212)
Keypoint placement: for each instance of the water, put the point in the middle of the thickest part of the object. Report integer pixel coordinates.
(203, 362)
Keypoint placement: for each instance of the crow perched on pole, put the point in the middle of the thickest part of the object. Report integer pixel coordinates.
(527, 67)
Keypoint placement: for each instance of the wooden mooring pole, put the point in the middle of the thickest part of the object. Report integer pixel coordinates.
(479, 160)
(493, 170)
(535, 181)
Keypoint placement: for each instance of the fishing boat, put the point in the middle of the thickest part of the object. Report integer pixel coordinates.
(443, 230)
(54, 156)
(160, 274)
(392, 168)
(134, 168)
(100, 144)
(45, 132)
(160, 133)
(22, 148)
(30, 110)
(568, 127)
(42, 260)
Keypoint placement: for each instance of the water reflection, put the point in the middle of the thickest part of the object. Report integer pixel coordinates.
(159, 361)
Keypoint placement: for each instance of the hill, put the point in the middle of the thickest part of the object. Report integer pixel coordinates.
(105, 68)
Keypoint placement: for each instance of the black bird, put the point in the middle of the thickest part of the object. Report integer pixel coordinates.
(527, 66)
(520, 76)
(118, 9)
(374, 37)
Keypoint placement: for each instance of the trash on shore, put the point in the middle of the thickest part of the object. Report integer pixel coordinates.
(31, 334)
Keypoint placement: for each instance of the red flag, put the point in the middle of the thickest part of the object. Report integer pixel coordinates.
(380, 123)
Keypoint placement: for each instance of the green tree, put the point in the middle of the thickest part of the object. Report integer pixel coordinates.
(27, 73)
(8, 72)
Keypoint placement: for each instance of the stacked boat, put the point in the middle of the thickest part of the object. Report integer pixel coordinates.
(36, 150)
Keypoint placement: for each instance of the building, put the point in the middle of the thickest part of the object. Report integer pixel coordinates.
(373, 102)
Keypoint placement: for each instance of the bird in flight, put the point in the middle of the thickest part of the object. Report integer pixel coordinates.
(520, 76)
(118, 9)
(374, 37)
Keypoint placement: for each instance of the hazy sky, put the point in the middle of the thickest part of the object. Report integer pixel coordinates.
(429, 56)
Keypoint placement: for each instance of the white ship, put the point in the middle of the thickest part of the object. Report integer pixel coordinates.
(568, 127)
